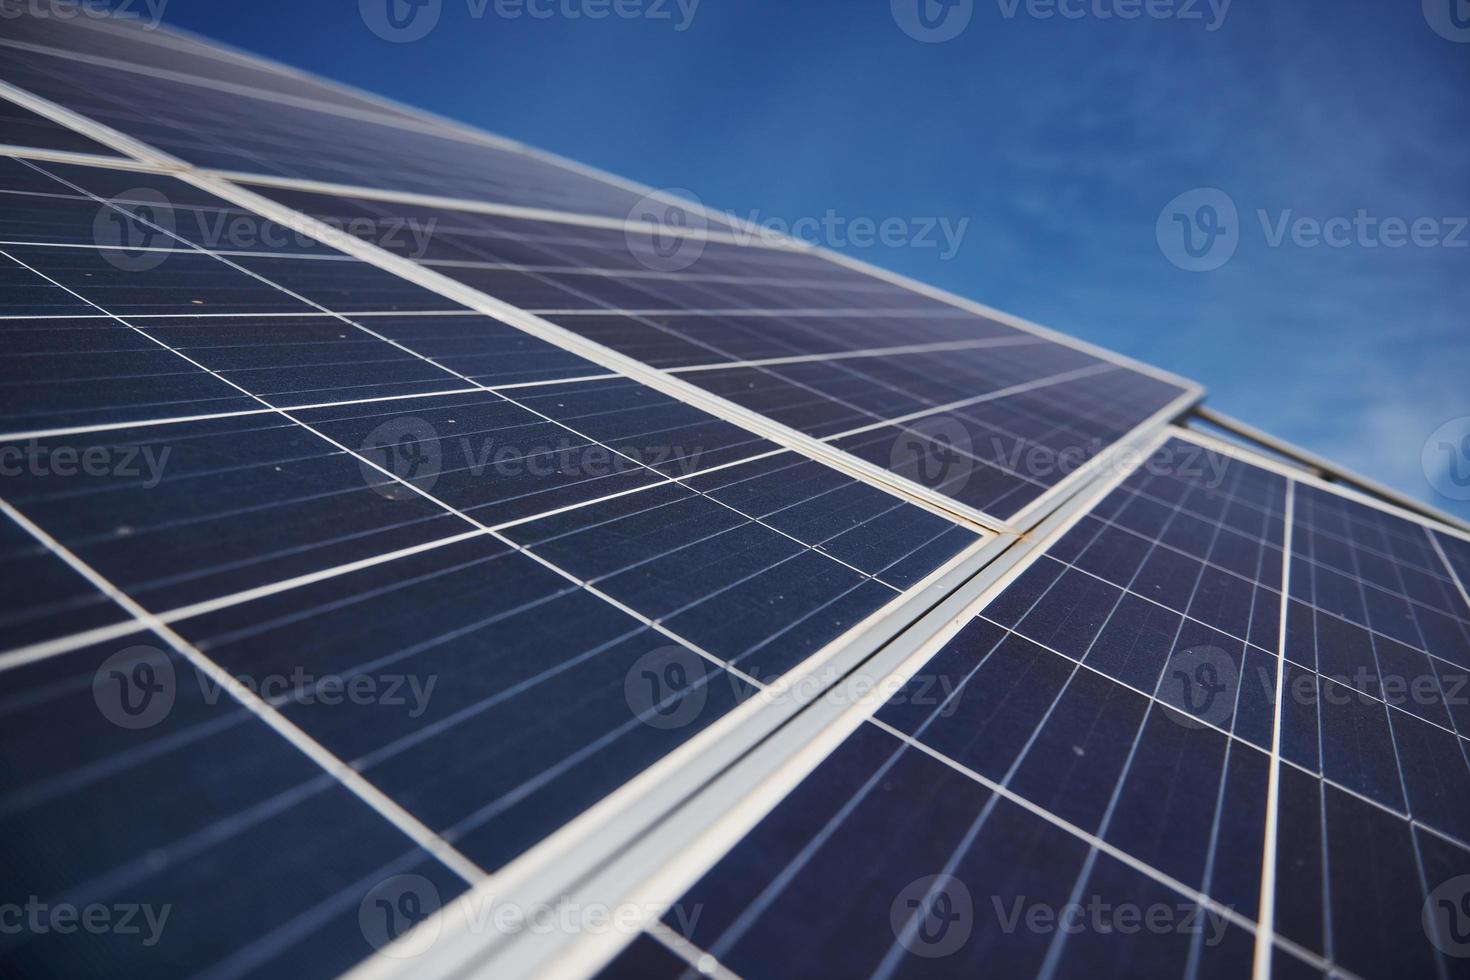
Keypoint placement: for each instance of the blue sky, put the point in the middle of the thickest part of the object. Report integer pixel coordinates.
(1059, 140)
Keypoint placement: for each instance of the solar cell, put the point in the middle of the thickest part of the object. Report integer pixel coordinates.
(21, 127)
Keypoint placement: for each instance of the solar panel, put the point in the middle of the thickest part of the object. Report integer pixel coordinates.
(1098, 741)
(290, 493)
(987, 415)
(241, 127)
(413, 538)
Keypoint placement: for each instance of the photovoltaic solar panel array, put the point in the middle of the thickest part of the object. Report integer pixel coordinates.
(1102, 733)
(416, 543)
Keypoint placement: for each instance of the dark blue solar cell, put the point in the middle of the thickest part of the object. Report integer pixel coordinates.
(1110, 934)
(1409, 681)
(1357, 745)
(916, 567)
(1234, 878)
(995, 708)
(1136, 642)
(1300, 910)
(646, 959)
(666, 435)
(1016, 601)
(484, 350)
(1457, 550)
(25, 293)
(1375, 895)
(25, 128)
(44, 598)
(1166, 809)
(1081, 749)
(1300, 727)
(1114, 554)
(1068, 618)
(1435, 773)
(1454, 682)
(1255, 709)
